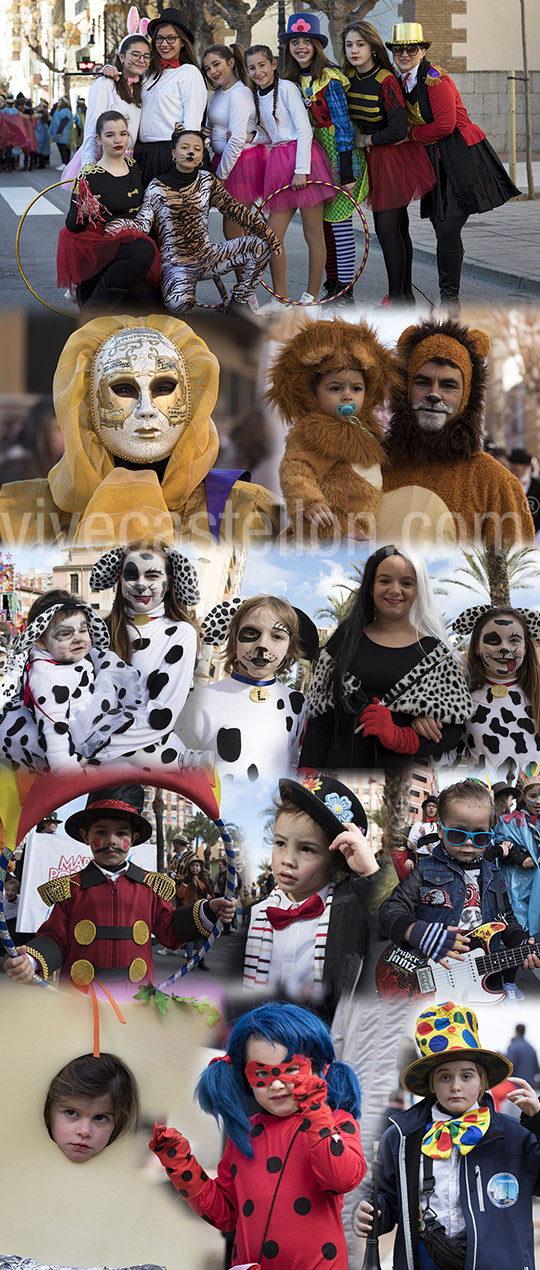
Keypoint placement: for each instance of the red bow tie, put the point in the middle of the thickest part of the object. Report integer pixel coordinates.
(281, 917)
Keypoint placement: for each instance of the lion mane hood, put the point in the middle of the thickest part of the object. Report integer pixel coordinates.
(461, 437)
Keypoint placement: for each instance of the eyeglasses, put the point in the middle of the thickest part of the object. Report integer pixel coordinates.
(140, 57)
(411, 49)
(166, 39)
(458, 837)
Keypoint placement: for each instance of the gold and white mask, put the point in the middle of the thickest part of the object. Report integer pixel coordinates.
(140, 398)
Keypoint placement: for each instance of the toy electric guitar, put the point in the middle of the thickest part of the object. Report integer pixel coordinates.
(403, 970)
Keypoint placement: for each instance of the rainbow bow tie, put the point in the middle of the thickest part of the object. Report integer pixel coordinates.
(464, 1133)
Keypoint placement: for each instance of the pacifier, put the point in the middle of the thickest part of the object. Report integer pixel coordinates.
(346, 410)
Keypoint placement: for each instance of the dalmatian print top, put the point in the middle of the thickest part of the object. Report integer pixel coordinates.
(63, 712)
(164, 652)
(253, 729)
(501, 727)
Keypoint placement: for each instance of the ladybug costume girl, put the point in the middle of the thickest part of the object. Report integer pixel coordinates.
(281, 1182)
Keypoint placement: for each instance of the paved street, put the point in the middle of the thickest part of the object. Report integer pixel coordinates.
(500, 262)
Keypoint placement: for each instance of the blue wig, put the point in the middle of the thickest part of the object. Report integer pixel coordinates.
(223, 1090)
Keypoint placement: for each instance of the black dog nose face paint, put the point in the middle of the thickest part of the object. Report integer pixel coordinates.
(144, 580)
(262, 644)
(501, 647)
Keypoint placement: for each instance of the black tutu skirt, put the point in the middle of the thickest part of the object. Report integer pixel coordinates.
(492, 186)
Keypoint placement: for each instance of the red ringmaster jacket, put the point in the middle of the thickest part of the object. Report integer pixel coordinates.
(101, 927)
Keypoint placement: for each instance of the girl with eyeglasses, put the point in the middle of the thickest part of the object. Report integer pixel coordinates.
(457, 888)
(470, 176)
(173, 94)
(122, 94)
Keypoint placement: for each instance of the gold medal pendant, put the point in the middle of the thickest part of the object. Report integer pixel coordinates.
(141, 619)
(259, 695)
(499, 690)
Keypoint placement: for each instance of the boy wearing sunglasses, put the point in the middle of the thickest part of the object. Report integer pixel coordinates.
(456, 888)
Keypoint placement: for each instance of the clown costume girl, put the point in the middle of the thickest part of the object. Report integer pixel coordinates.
(285, 1170)
(69, 693)
(324, 87)
(457, 1177)
(150, 623)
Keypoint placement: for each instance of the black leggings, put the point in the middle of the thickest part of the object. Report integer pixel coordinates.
(449, 255)
(130, 265)
(392, 230)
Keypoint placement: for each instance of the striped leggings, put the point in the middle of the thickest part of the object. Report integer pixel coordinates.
(340, 250)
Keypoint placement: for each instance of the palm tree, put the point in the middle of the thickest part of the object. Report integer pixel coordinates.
(492, 571)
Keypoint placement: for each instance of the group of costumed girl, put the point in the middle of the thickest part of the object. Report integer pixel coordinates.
(376, 134)
(93, 691)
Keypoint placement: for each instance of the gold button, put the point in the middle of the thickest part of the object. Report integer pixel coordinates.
(137, 970)
(141, 933)
(85, 932)
(82, 972)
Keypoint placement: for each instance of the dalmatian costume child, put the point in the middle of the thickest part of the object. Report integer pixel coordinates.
(503, 667)
(149, 623)
(250, 720)
(72, 694)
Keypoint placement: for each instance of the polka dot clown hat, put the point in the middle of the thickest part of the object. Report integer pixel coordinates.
(330, 804)
(447, 1032)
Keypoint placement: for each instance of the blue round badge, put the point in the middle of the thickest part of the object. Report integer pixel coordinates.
(503, 1190)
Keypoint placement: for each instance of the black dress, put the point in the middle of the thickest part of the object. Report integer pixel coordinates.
(331, 740)
(105, 268)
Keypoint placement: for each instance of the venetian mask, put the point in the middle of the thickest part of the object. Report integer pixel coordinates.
(144, 580)
(140, 397)
(262, 644)
(501, 647)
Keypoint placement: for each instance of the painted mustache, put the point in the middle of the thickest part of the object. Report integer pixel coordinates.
(435, 404)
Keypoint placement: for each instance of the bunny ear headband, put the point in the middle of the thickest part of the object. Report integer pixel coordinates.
(218, 621)
(465, 623)
(107, 569)
(135, 26)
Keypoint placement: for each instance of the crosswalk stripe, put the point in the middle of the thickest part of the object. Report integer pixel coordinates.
(19, 196)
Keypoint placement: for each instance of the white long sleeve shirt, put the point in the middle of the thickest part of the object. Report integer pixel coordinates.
(103, 96)
(177, 97)
(231, 110)
(290, 124)
(291, 966)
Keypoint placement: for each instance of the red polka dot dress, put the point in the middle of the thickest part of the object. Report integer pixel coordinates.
(306, 1173)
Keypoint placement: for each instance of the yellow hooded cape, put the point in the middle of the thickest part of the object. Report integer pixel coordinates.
(88, 501)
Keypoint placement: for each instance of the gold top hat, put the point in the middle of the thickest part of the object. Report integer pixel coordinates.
(408, 33)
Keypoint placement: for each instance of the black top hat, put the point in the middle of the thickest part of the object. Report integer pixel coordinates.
(174, 18)
(431, 798)
(119, 801)
(330, 804)
(519, 455)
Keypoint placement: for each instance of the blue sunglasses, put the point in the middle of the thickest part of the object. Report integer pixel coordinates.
(458, 837)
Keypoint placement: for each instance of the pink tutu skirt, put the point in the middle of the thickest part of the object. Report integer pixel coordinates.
(246, 181)
(81, 256)
(280, 171)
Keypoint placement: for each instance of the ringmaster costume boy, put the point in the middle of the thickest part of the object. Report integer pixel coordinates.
(103, 918)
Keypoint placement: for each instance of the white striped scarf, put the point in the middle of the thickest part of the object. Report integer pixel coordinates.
(260, 942)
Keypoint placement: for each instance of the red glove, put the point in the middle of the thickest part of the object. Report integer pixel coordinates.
(174, 1153)
(377, 721)
(311, 1093)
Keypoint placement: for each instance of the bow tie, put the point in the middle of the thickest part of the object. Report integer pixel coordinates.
(464, 1132)
(281, 917)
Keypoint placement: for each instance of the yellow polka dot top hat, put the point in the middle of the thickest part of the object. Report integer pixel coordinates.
(444, 1033)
